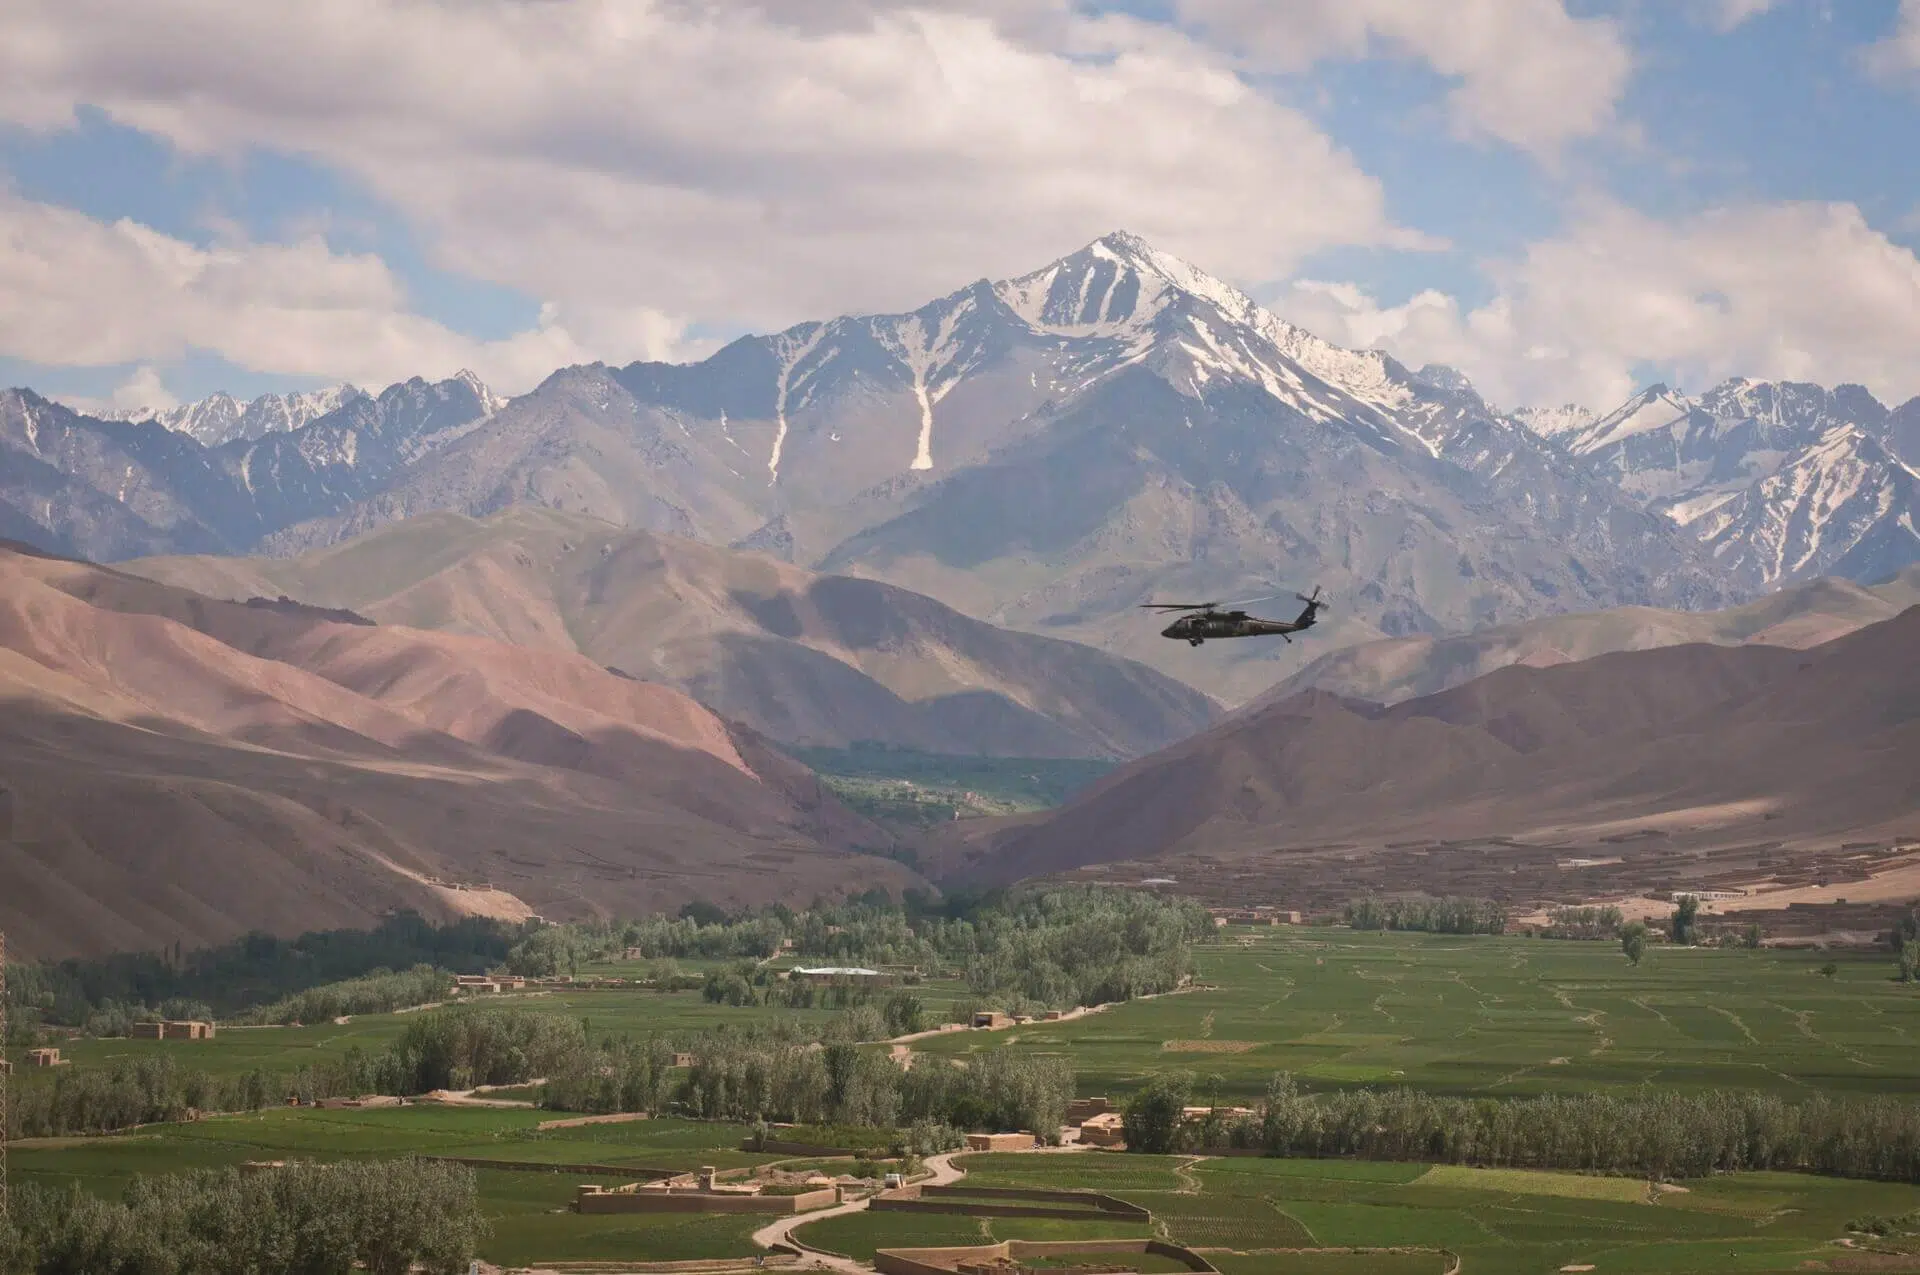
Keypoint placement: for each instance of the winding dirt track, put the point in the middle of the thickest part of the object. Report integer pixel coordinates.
(781, 1231)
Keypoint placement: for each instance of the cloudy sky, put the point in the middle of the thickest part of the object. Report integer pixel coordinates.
(1564, 198)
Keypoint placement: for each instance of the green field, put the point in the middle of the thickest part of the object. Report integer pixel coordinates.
(1499, 1016)
(905, 786)
(1255, 1216)
(1336, 1008)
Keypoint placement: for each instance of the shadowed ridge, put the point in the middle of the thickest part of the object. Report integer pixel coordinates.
(1821, 741)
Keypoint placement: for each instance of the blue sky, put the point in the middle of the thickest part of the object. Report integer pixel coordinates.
(224, 197)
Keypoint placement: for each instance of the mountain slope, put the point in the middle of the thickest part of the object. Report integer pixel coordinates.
(1712, 744)
(179, 768)
(801, 658)
(1782, 481)
(1046, 451)
(1393, 669)
(108, 489)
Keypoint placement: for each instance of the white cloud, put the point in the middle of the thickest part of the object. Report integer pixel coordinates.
(704, 158)
(1726, 15)
(144, 389)
(1899, 53)
(1801, 291)
(78, 292)
(1529, 72)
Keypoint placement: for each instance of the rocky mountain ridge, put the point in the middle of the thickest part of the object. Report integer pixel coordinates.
(221, 418)
(1782, 481)
(1046, 452)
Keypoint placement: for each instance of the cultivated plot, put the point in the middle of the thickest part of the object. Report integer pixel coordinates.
(1498, 1017)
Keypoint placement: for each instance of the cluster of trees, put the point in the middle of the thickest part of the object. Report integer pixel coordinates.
(386, 1218)
(380, 992)
(748, 984)
(1583, 923)
(1905, 940)
(1633, 940)
(1056, 947)
(1081, 945)
(741, 1078)
(1077, 945)
(1434, 916)
(1683, 927)
(460, 1048)
(1656, 1134)
(149, 1091)
(107, 994)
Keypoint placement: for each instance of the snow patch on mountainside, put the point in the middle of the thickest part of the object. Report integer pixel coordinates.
(1653, 408)
(934, 360)
(790, 349)
(1555, 422)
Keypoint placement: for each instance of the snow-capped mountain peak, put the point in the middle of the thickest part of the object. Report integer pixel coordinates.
(1123, 290)
(1653, 408)
(1563, 421)
(1116, 286)
(220, 418)
(490, 402)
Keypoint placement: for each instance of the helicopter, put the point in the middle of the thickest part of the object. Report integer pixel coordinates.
(1208, 621)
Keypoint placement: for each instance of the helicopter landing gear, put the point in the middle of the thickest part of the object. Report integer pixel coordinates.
(1195, 641)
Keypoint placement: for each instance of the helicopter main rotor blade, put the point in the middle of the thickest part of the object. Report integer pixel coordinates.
(1250, 601)
(1177, 606)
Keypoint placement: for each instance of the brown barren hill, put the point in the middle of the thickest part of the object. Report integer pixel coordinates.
(1389, 670)
(802, 658)
(180, 768)
(1707, 747)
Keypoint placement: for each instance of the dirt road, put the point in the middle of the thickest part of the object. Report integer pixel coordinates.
(943, 1171)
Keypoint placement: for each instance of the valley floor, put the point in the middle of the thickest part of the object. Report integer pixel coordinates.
(1336, 1008)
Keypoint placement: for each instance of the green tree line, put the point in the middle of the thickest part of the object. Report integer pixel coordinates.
(1082, 945)
(1652, 1134)
(1434, 916)
(774, 1069)
(251, 971)
(383, 1217)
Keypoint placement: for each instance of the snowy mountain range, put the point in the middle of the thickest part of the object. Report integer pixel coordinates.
(1047, 452)
(112, 489)
(1782, 481)
(221, 418)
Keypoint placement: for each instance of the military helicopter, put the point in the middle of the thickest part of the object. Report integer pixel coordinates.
(1211, 622)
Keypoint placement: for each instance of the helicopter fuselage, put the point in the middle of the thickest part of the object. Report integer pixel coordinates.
(1197, 628)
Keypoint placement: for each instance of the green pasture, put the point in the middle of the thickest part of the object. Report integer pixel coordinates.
(106, 1164)
(1258, 1216)
(1497, 1016)
(1330, 1263)
(859, 1234)
(1511, 1222)
(533, 1223)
